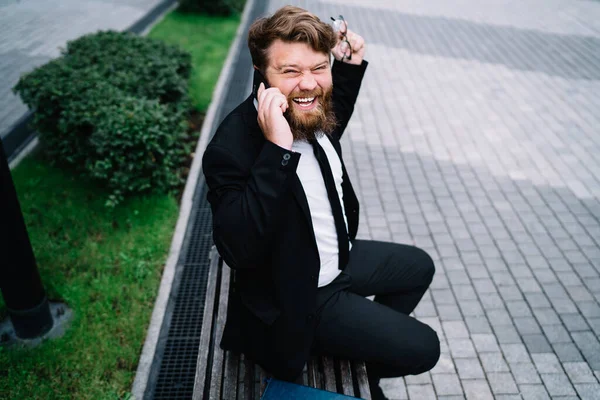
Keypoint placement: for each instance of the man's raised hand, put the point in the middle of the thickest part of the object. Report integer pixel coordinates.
(271, 106)
(357, 43)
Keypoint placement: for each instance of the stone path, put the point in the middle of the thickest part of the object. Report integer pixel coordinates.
(477, 138)
(32, 31)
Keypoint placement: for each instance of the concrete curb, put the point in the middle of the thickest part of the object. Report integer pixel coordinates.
(145, 363)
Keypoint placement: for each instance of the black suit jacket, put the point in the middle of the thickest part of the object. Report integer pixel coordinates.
(263, 230)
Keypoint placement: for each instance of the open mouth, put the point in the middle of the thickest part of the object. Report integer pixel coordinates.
(305, 102)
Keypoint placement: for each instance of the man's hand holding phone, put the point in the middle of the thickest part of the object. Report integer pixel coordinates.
(271, 106)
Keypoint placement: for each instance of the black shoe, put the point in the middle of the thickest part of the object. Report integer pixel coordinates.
(377, 393)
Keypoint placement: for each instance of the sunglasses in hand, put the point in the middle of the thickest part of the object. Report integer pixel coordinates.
(340, 25)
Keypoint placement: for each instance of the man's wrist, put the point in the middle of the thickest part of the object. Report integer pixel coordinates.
(283, 143)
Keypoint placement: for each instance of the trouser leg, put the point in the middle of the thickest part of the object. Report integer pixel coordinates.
(398, 275)
(390, 342)
(381, 333)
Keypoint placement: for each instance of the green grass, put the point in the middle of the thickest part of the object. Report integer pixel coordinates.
(106, 265)
(208, 40)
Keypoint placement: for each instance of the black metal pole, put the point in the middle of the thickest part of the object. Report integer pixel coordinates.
(20, 280)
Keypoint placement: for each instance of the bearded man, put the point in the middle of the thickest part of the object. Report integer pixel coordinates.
(285, 216)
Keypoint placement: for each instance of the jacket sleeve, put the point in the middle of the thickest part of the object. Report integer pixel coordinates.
(347, 79)
(245, 201)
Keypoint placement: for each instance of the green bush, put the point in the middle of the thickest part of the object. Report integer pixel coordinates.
(212, 7)
(113, 107)
(136, 147)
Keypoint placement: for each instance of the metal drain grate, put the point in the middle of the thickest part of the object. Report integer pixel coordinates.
(174, 366)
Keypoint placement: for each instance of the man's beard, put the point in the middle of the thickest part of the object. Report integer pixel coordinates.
(307, 125)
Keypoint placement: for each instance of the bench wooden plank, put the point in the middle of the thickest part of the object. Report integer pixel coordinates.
(329, 374)
(248, 392)
(346, 376)
(241, 378)
(313, 374)
(263, 376)
(209, 309)
(230, 378)
(360, 372)
(257, 373)
(218, 356)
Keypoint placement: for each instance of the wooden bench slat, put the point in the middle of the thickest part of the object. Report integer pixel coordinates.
(360, 372)
(313, 374)
(230, 378)
(248, 393)
(329, 374)
(241, 378)
(346, 376)
(263, 376)
(257, 383)
(209, 308)
(218, 356)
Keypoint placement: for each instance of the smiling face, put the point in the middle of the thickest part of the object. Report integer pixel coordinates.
(303, 75)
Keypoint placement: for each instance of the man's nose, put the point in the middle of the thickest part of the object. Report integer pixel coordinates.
(308, 82)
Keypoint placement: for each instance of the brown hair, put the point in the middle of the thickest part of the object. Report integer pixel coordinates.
(289, 24)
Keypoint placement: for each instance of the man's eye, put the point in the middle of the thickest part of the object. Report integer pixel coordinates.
(290, 71)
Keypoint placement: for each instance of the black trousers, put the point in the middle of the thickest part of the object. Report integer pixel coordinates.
(379, 332)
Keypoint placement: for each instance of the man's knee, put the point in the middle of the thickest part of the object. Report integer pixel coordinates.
(421, 355)
(425, 264)
(429, 352)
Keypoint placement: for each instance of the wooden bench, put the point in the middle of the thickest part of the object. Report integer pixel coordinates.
(226, 375)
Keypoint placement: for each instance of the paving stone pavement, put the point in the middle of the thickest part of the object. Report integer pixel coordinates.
(476, 137)
(32, 32)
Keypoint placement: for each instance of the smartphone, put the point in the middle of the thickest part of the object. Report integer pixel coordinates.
(258, 78)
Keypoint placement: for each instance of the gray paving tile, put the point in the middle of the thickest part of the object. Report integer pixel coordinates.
(534, 392)
(536, 343)
(574, 322)
(507, 334)
(420, 379)
(455, 329)
(469, 368)
(587, 391)
(579, 372)
(478, 324)
(515, 353)
(493, 362)
(527, 326)
(471, 308)
(421, 392)
(447, 384)
(556, 334)
(461, 348)
(502, 383)
(558, 385)
(477, 389)
(547, 363)
(394, 388)
(589, 345)
(525, 373)
(547, 316)
(485, 343)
